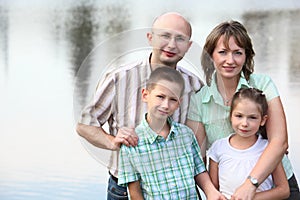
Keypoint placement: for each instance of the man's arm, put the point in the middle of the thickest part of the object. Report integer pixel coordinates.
(99, 138)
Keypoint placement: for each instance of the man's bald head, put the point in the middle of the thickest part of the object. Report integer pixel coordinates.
(172, 19)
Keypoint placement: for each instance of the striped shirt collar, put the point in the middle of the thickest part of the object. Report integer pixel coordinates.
(214, 92)
(151, 136)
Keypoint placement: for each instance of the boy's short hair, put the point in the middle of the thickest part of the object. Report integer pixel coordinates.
(165, 73)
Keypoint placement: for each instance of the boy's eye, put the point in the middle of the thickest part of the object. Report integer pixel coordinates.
(174, 99)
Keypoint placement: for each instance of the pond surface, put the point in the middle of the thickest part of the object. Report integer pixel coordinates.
(45, 79)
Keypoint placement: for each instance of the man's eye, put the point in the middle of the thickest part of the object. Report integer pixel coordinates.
(164, 36)
(180, 39)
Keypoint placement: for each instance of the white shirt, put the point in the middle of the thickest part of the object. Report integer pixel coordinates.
(235, 165)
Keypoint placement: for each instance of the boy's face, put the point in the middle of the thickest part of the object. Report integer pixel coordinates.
(162, 100)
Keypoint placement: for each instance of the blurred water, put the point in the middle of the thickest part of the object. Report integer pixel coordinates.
(43, 45)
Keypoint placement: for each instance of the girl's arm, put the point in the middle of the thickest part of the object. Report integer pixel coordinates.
(281, 189)
(135, 191)
(278, 144)
(214, 173)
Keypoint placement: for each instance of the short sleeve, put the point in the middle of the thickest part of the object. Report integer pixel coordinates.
(265, 84)
(194, 108)
(99, 109)
(199, 164)
(212, 152)
(126, 171)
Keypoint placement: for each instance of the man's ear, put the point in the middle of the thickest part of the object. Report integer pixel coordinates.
(145, 94)
(149, 37)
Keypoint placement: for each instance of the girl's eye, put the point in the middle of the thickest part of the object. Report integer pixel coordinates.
(160, 96)
(238, 116)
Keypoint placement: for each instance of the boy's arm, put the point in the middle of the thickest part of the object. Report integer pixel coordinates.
(204, 182)
(281, 189)
(213, 173)
(135, 191)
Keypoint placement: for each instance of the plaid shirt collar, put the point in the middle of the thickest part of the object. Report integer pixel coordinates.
(152, 136)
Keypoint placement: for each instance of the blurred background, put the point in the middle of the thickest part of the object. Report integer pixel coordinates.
(53, 52)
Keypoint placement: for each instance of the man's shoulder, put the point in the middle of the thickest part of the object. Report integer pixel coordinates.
(129, 67)
(192, 79)
(186, 72)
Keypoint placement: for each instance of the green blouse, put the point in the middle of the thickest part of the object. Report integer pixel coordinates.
(207, 107)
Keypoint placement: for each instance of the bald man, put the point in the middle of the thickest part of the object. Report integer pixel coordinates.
(117, 99)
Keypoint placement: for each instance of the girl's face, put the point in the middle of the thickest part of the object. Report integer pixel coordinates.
(246, 118)
(228, 61)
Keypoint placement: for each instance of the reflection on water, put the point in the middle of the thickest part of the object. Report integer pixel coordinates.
(86, 24)
(276, 37)
(4, 38)
(44, 69)
(294, 43)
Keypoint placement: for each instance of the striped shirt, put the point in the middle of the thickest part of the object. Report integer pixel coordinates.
(165, 167)
(117, 100)
(208, 108)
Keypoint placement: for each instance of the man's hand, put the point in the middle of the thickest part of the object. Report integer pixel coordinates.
(125, 136)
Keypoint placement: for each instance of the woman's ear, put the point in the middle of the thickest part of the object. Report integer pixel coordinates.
(145, 94)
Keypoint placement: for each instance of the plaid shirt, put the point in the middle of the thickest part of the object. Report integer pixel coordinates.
(165, 167)
(118, 101)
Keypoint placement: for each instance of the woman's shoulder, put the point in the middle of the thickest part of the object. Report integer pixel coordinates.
(260, 77)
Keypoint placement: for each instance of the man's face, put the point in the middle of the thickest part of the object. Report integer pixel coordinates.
(170, 39)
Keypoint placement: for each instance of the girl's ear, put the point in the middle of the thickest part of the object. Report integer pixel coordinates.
(145, 94)
(263, 120)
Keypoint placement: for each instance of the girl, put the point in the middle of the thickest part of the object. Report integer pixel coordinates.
(231, 159)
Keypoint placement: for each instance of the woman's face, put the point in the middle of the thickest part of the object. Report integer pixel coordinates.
(228, 61)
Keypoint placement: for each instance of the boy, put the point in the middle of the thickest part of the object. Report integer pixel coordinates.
(167, 159)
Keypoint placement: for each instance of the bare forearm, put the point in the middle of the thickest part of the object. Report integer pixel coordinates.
(278, 141)
(96, 136)
(273, 194)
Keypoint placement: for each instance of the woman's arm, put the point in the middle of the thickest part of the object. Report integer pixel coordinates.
(281, 189)
(199, 131)
(278, 144)
(135, 191)
(213, 173)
